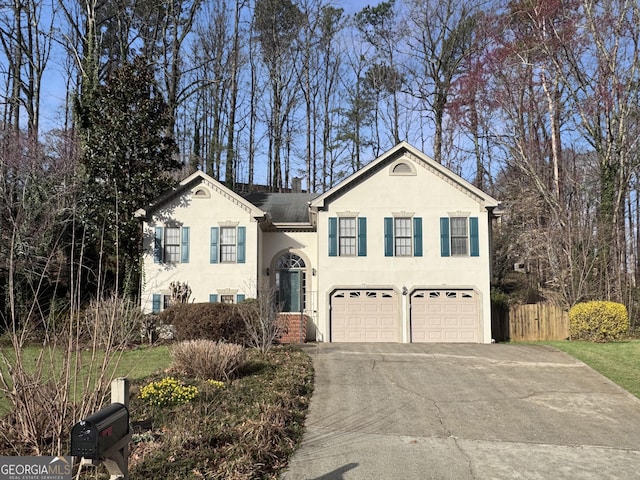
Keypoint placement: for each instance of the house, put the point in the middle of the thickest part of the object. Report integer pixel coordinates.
(400, 251)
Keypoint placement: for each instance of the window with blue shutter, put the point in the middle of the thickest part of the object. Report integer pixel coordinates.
(157, 245)
(333, 236)
(417, 237)
(242, 235)
(444, 237)
(185, 245)
(215, 239)
(474, 237)
(240, 297)
(155, 306)
(213, 298)
(388, 237)
(362, 236)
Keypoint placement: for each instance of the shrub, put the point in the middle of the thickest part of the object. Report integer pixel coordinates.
(598, 321)
(211, 321)
(206, 359)
(113, 321)
(168, 392)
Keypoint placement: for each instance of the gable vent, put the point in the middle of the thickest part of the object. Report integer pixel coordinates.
(402, 168)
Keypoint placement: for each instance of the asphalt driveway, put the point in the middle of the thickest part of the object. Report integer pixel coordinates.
(397, 411)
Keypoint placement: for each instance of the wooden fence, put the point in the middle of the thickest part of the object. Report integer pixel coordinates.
(525, 323)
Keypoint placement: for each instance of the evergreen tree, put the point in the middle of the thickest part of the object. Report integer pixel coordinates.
(127, 153)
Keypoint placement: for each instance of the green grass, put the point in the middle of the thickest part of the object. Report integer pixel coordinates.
(134, 364)
(618, 361)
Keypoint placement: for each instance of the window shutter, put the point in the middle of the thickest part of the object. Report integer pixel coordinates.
(362, 236)
(474, 237)
(157, 299)
(445, 248)
(157, 245)
(213, 298)
(240, 298)
(417, 236)
(215, 233)
(388, 237)
(185, 245)
(242, 236)
(333, 237)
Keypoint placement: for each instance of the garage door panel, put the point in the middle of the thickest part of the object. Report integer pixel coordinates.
(373, 316)
(445, 316)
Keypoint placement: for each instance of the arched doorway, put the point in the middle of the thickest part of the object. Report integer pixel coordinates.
(291, 282)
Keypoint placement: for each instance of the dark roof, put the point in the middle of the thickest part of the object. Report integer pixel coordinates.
(283, 207)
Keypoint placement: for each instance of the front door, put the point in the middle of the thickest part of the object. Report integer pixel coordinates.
(289, 291)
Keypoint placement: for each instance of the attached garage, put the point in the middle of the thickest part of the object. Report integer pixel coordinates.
(450, 315)
(365, 316)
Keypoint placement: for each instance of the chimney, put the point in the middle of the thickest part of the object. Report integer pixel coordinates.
(296, 185)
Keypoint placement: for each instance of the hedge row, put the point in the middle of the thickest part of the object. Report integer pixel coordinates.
(219, 322)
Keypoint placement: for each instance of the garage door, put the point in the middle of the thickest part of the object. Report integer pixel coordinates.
(365, 316)
(445, 316)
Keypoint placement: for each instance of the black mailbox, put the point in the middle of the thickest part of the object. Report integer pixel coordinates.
(99, 432)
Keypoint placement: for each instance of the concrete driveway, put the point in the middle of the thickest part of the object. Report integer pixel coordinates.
(394, 411)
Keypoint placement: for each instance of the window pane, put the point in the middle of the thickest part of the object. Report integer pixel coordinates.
(171, 245)
(226, 298)
(458, 227)
(228, 244)
(459, 237)
(347, 236)
(402, 236)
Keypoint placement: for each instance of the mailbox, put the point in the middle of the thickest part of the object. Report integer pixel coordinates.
(94, 436)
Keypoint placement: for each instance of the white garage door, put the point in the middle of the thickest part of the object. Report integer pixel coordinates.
(445, 316)
(365, 316)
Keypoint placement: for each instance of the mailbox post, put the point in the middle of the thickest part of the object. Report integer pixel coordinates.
(104, 436)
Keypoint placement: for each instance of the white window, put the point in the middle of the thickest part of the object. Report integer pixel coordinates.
(172, 245)
(227, 244)
(347, 236)
(459, 236)
(226, 298)
(402, 237)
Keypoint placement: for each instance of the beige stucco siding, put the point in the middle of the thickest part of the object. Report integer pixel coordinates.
(423, 195)
(304, 244)
(204, 278)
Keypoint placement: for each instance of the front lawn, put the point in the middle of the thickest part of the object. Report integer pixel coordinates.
(618, 361)
(245, 428)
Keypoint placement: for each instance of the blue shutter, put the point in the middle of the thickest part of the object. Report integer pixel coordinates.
(213, 298)
(242, 239)
(240, 297)
(417, 236)
(362, 236)
(185, 245)
(333, 237)
(444, 237)
(388, 237)
(157, 245)
(474, 237)
(157, 300)
(215, 232)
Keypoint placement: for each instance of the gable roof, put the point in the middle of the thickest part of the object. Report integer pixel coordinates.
(404, 150)
(190, 182)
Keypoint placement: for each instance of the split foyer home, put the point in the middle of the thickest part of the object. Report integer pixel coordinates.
(400, 251)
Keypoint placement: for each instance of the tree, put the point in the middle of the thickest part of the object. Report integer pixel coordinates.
(127, 152)
(379, 28)
(441, 42)
(277, 25)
